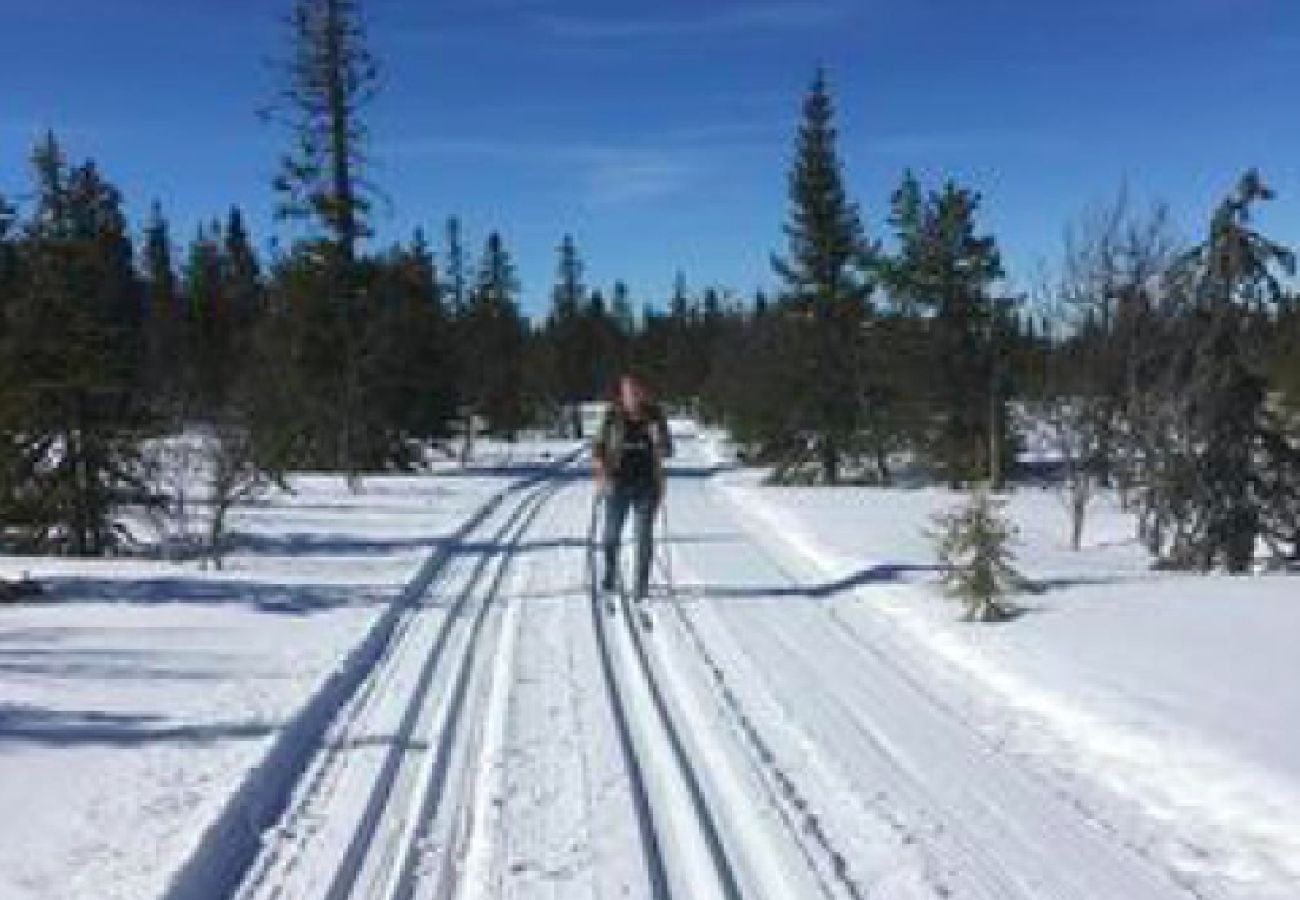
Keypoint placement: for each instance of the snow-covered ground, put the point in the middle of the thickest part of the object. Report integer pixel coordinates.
(417, 692)
(1178, 694)
(140, 695)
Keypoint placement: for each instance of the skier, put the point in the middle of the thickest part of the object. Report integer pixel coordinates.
(629, 453)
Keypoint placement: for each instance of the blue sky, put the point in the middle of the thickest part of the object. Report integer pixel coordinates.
(659, 132)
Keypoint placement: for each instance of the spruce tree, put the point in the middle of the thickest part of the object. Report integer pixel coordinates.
(674, 379)
(242, 273)
(159, 266)
(72, 352)
(455, 288)
(494, 337)
(1243, 476)
(164, 329)
(331, 77)
(412, 382)
(944, 269)
(826, 286)
(620, 304)
(14, 444)
(973, 545)
(208, 320)
(455, 269)
(567, 330)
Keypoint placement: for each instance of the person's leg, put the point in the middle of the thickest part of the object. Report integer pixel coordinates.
(646, 504)
(617, 502)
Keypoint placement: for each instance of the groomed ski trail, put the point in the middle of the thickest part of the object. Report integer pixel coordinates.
(385, 786)
(912, 800)
(516, 740)
(615, 780)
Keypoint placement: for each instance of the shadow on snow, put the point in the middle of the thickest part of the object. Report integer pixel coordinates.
(68, 728)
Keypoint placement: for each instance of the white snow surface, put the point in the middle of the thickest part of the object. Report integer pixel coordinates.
(807, 713)
(137, 698)
(1177, 694)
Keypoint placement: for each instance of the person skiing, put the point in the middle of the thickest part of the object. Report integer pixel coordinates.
(628, 453)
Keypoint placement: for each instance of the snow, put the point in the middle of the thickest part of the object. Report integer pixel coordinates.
(1174, 693)
(402, 692)
(566, 824)
(137, 701)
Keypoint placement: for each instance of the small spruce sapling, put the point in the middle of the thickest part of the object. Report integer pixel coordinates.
(973, 544)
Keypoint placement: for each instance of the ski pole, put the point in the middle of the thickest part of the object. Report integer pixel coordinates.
(666, 550)
(592, 574)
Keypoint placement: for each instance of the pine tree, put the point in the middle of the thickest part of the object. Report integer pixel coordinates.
(160, 272)
(826, 285)
(331, 77)
(1242, 476)
(242, 273)
(602, 342)
(566, 328)
(208, 320)
(946, 270)
(164, 331)
(494, 336)
(569, 290)
(406, 378)
(455, 269)
(973, 545)
(72, 352)
(677, 361)
(621, 309)
(14, 443)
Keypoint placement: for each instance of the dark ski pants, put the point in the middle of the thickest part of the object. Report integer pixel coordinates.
(644, 502)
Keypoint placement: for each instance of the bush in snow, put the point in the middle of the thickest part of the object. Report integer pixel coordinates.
(196, 479)
(973, 544)
(234, 477)
(1076, 430)
(172, 470)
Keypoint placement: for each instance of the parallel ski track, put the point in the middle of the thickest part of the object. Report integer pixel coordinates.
(770, 556)
(658, 866)
(430, 793)
(802, 826)
(530, 498)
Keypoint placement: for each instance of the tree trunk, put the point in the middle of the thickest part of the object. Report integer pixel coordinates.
(1078, 515)
(830, 459)
(217, 534)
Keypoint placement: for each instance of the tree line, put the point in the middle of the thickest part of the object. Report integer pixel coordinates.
(1165, 370)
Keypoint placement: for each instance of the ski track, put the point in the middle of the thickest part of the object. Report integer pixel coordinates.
(565, 819)
(968, 822)
(355, 824)
(517, 740)
(618, 777)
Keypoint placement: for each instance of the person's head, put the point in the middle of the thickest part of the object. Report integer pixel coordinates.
(631, 393)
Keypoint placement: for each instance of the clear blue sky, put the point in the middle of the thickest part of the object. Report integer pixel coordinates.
(659, 132)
